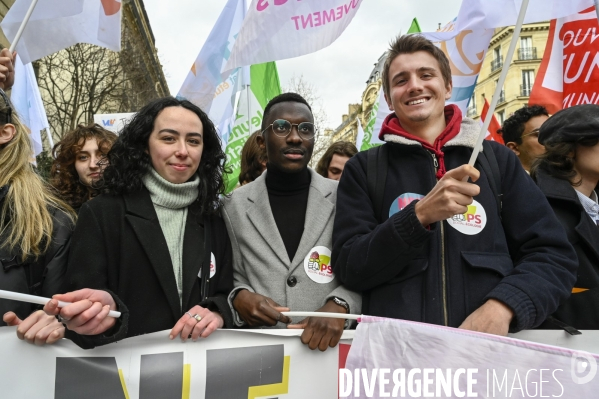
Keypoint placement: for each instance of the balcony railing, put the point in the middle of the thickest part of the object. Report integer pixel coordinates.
(496, 64)
(501, 97)
(471, 112)
(525, 90)
(527, 53)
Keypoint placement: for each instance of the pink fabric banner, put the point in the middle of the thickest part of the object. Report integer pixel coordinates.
(396, 358)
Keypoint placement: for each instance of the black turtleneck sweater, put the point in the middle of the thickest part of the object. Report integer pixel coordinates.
(288, 196)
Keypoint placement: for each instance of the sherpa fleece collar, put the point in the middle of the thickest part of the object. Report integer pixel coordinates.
(469, 131)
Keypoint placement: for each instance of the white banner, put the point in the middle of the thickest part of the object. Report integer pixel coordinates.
(113, 122)
(58, 24)
(280, 29)
(233, 364)
(230, 364)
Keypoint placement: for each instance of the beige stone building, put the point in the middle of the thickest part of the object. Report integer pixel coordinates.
(522, 70)
(348, 129)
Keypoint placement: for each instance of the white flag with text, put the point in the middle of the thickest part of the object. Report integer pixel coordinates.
(281, 29)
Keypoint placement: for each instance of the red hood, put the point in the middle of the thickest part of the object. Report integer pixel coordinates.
(453, 120)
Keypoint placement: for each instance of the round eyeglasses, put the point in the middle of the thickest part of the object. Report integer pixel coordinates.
(282, 128)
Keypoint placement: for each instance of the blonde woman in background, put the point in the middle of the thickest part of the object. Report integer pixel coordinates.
(35, 230)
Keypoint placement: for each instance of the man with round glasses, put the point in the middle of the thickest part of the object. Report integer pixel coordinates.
(281, 229)
(521, 133)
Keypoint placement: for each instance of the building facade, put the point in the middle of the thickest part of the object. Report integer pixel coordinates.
(522, 70)
(348, 129)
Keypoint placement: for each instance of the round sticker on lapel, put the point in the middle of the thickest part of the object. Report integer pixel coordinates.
(472, 222)
(317, 265)
(212, 266)
(402, 201)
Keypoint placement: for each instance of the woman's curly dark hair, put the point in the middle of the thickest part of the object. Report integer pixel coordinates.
(558, 159)
(129, 161)
(63, 175)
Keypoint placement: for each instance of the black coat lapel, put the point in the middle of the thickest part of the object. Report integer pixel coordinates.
(193, 253)
(144, 222)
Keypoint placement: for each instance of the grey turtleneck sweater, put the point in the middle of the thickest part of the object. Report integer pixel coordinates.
(170, 202)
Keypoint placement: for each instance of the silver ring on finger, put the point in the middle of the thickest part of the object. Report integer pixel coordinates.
(189, 314)
(197, 317)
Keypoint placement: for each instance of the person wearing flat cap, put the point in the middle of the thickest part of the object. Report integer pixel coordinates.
(568, 174)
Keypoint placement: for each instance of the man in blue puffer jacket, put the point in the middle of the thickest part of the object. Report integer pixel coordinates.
(443, 250)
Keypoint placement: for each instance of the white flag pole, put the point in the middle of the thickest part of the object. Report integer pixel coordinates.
(22, 27)
(323, 314)
(597, 8)
(500, 82)
(17, 296)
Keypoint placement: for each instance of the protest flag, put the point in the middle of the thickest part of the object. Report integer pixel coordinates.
(27, 100)
(484, 14)
(359, 135)
(370, 137)
(250, 111)
(203, 85)
(285, 29)
(414, 27)
(466, 53)
(493, 127)
(568, 74)
(57, 24)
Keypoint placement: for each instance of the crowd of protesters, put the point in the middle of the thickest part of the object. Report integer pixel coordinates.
(141, 223)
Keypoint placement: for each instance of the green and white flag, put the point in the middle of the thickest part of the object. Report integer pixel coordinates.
(253, 99)
(370, 138)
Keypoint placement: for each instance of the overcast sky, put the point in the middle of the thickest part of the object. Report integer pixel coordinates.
(338, 72)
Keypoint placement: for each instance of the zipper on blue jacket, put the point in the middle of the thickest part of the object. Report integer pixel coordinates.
(443, 271)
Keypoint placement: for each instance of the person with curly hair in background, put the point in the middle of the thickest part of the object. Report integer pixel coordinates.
(333, 161)
(520, 133)
(253, 160)
(35, 232)
(78, 162)
(153, 244)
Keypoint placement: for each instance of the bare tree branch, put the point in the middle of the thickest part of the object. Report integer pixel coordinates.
(84, 80)
(312, 96)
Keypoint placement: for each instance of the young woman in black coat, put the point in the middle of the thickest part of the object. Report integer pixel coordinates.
(153, 245)
(568, 175)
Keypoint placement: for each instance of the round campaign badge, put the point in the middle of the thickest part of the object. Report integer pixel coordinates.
(317, 265)
(212, 265)
(472, 222)
(402, 201)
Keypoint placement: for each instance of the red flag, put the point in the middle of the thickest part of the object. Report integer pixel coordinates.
(493, 127)
(569, 71)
